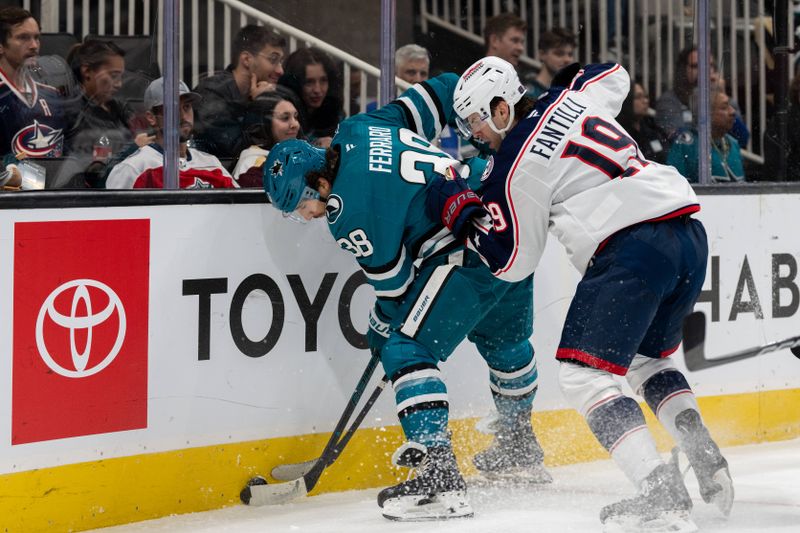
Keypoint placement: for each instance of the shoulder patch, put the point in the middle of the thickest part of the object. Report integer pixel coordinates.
(333, 208)
(488, 170)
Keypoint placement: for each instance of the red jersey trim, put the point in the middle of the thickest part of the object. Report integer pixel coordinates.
(591, 360)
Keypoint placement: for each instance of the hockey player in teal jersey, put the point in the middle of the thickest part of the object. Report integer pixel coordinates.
(371, 185)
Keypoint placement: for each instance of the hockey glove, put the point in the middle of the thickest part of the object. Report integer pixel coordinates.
(452, 202)
(378, 332)
(564, 76)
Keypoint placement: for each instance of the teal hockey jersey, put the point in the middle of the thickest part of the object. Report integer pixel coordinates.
(376, 209)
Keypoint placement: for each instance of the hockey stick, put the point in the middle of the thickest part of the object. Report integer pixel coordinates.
(694, 338)
(291, 471)
(257, 492)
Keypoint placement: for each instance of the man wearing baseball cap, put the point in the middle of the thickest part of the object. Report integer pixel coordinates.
(145, 168)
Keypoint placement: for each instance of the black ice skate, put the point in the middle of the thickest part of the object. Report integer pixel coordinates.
(710, 467)
(437, 492)
(662, 505)
(515, 455)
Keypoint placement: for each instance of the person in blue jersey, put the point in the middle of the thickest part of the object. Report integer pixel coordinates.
(32, 115)
(569, 168)
(370, 185)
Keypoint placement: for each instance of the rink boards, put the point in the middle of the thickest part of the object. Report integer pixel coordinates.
(226, 339)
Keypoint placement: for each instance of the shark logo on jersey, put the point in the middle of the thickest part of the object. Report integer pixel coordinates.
(38, 140)
(488, 169)
(277, 169)
(333, 208)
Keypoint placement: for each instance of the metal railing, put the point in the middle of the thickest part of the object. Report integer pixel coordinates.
(644, 35)
(208, 51)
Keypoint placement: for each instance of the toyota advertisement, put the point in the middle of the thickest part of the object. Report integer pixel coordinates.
(80, 328)
(131, 330)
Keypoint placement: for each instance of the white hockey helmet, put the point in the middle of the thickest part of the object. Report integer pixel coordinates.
(487, 79)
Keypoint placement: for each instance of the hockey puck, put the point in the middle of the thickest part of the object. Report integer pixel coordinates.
(796, 351)
(245, 494)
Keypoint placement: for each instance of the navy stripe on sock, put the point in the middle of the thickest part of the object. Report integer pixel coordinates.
(612, 420)
(662, 385)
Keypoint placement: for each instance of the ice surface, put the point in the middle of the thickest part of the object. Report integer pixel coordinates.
(766, 479)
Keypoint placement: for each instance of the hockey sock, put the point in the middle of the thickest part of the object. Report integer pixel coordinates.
(619, 425)
(422, 406)
(513, 393)
(668, 394)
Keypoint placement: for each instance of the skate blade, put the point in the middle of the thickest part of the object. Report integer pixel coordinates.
(667, 522)
(418, 508)
(724, 498)
(520, 476)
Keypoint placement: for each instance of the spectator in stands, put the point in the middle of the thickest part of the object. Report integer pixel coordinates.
(271, 118)
(32, 122)
(255, 68)
(726, 157)
(556, 50)
(145, 168)
(355, 94)
(504, 37)
(672, 108)
(792, 147)
(99, 124)
(412, 63)
(635, 118)
(314, 78)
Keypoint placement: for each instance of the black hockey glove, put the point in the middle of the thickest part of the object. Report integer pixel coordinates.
(565, 75)
(452, 202)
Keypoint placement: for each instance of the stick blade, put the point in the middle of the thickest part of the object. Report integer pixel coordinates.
(274, 494)
(694, 336)
(289, 472)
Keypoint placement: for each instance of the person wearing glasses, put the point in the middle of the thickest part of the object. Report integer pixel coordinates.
(256, 66)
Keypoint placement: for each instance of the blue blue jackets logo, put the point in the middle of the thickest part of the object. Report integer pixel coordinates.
(333, 208)
(38, 140)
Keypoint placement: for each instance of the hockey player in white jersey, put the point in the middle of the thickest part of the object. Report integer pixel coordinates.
(565, 165)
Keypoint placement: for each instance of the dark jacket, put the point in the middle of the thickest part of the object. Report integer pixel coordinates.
(88, 123)
(219, 115)
(651, 139)
(321, 122)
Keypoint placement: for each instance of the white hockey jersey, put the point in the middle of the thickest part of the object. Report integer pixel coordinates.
(144, 169)
(571, 168)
